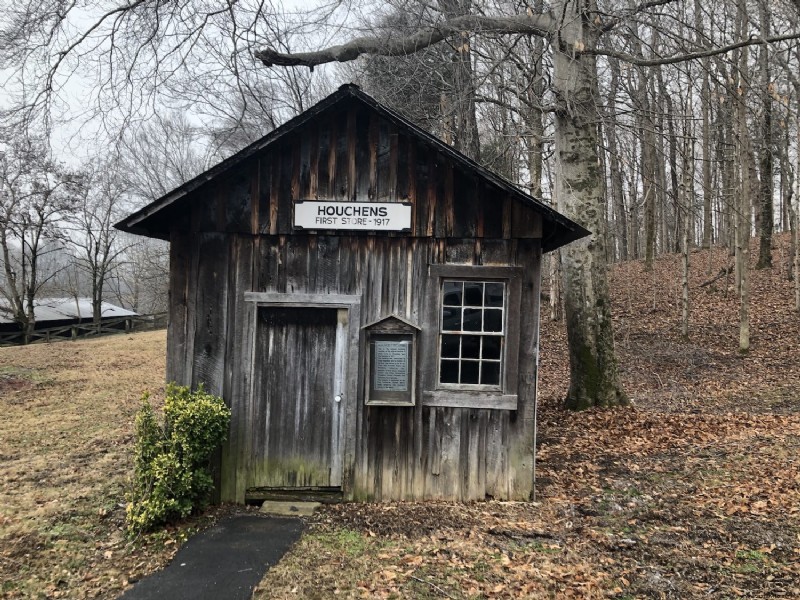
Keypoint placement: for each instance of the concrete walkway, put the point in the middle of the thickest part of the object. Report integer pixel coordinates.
(224, 562)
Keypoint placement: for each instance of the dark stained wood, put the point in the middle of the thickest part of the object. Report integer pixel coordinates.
(274, 182)
(241, 246)
(385, 188)
(394, 191)
(178, 333)
(355, 151)
(448, 207)
(235, 199)
(372, 148)
(210, 322)
(287, 186)
(304, 163)
(434, 212)
(327, 159)
(332, 495)
(359, 152)
(466, 209)
(341, 160)
(313, 184)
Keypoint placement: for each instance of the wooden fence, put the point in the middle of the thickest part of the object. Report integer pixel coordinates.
(85, 329)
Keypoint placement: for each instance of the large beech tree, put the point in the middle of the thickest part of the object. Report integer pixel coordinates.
(573, 27)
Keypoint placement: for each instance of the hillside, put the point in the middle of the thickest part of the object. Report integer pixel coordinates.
(692, 492)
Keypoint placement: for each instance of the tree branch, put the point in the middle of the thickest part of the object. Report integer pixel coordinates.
(679, 58)
(542, 24)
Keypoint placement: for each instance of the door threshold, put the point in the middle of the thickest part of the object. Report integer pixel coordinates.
(325, 495)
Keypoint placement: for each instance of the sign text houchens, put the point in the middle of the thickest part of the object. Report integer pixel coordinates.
(359, 216)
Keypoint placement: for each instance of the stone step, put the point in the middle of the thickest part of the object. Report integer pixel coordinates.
(289, 508)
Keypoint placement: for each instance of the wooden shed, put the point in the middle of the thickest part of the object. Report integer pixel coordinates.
(366, 300)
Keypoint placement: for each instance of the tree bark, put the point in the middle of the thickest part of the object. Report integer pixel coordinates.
(617, 187)
(766, 191)
(594, 379)
(743, 229)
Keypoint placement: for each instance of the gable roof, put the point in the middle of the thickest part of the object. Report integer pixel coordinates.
(558, 230)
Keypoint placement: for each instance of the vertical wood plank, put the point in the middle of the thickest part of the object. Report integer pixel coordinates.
(237, 365)
(373, 192)
(316, 148)
(180, 261)
(211, 322)
(275, 171)
(449, 209)
(341, 161)
(308, 140)
(287, 186)
(432, 184)
(352, 148)
(385, 185)
(398, 187)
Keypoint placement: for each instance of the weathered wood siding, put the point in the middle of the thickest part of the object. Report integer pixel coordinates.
(401, 452)
(351, 153)
(238, 237)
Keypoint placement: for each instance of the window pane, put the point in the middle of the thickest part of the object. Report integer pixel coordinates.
(490, 373)
(452, 293)
(493, 320)
(472, 319)
(471, 346)
(469, 371)
(451, 319)
(471, 337)
(473, 293)
(493, 295)
(450, 346)
(491, 346)
(449, 371)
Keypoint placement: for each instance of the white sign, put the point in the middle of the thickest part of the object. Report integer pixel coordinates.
(360, 216)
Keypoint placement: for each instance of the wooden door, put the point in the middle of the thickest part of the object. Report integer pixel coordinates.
(299, 373)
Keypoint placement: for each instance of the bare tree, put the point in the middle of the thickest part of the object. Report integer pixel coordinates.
(161, 154)
(94, 239)
(35, 194)
(141, 280)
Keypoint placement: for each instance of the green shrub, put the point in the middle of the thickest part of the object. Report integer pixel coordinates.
(171, 474)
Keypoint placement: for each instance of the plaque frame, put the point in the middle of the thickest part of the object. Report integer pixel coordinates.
(390, 329)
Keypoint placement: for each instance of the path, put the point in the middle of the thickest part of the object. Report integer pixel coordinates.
(224, 562)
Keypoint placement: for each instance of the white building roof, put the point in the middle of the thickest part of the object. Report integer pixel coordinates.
(59, 309)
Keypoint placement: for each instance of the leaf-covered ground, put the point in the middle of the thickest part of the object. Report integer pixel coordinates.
(694, 492)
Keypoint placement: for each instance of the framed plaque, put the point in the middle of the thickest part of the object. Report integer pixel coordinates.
(390, 369)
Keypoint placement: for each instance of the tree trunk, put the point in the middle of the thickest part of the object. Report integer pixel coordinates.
(617, 187)
(743, 229)
(649, 169)
(705, 107)
(594, 379)
(685, 204)
(462, 97)
(555, 286)
(766, 191)
(796, 233)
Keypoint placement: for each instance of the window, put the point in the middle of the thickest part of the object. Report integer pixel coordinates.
(472, 333)
(473, 337)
